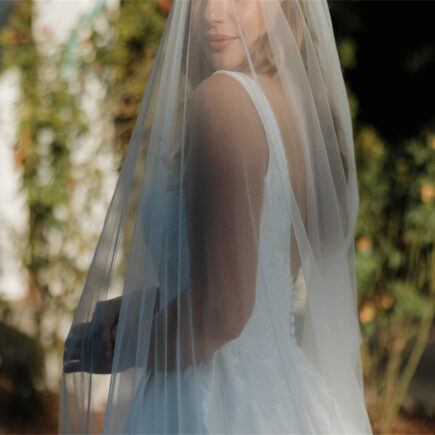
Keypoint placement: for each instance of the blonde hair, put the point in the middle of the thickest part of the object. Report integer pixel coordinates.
(263, 59)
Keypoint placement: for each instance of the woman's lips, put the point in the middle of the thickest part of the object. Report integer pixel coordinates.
(218, 42)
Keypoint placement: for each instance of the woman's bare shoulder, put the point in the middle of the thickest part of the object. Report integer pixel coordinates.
(225, 119)
(221, 82)
(222, 92)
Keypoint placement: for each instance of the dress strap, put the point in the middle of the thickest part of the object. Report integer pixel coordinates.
(277, 155)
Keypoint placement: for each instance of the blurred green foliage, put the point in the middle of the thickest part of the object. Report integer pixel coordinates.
(49, 118)
(51, 123)
(123, 57)
(395, 236)
(395, 231)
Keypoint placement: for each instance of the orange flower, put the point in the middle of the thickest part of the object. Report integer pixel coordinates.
(427, 192)
(367, 312)
(364, 244)
(14, 38)
(23, 150)
(386, 301)
(164, 6)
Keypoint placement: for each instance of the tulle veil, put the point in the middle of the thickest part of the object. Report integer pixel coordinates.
(182, 255)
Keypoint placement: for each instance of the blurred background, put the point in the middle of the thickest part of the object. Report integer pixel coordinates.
(72, 73)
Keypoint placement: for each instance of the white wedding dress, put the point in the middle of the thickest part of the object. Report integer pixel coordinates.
(269, 385)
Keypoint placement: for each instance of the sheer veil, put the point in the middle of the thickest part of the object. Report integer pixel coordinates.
(181, 239)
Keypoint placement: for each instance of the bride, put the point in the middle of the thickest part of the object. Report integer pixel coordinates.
(222, 297)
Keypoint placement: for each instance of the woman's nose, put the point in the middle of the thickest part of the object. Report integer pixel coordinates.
(213, 10)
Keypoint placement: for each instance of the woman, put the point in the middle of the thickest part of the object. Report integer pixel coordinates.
(221, 297)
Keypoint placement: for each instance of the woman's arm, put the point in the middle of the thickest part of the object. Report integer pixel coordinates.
(227, 160)
(169, 328)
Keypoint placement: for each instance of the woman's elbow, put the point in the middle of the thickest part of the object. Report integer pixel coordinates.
(232, 326)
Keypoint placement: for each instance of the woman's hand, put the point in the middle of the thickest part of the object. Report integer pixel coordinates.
(89, 346)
